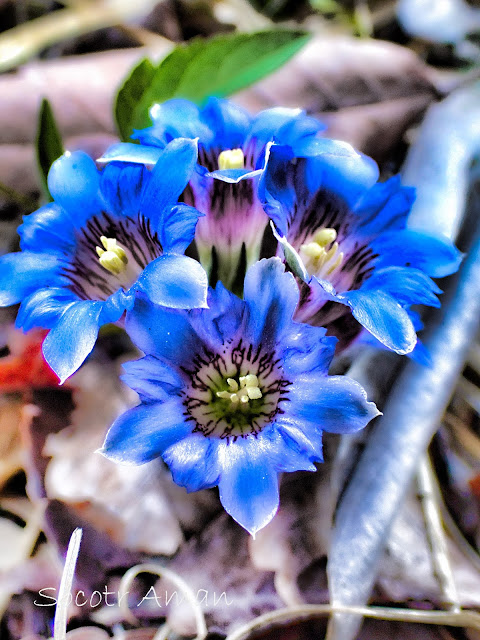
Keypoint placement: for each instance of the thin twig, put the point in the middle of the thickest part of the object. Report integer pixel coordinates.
(20, 43)
(468, 619)
(241, 13)
(430, 499)
(162, 633)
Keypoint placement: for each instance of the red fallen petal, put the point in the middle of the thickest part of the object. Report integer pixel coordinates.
(475, 485)
(26, 367)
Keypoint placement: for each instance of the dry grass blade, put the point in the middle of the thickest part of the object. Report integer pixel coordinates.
(428, 492)
(173, 577)
(61, 612)
(23, 42)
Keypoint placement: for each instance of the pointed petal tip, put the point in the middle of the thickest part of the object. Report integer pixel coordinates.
(118, 459)
(254, 528)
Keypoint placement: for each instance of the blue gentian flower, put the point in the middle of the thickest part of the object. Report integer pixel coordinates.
(234, 394)
(106, 236)
(347, 238)
(232, 151)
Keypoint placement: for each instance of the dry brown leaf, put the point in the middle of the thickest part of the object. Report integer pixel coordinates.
(87, 633)
(406, 571)
(360, 88)
(367, 91)
(79, 88)
(11, 459)
(30, 574)
(106, 493)
(299, 533)
(217, 567)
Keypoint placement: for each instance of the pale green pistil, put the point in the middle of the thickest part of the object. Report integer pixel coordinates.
(231, 159)
(112, 257)
(242, 393)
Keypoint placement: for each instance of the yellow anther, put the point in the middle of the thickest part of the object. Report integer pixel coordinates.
(324, 237)
(112, 257)
(312, 250)
(319, 260)
(231, 159)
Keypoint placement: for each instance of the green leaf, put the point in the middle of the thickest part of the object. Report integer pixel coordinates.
(48, 143)
(128, 104)
(218, 67)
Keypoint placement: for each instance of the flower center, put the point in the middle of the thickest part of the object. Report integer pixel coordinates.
(231, 159)
(235, 393)
(240, 395)
(110, 252)
(112, 257)
(321, 256)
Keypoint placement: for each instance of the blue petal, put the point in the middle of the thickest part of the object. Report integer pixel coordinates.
(289, 185)
(115, 305)
(169, 178)
(178, 228)
(301, 134)
(193, 462)
(73, 337)
(435, 255)
(144, 432)
(383, 317)
(306, 348)
(123, 187)
(48, 229)
(175, 281)
(301, 436)
(175, 118)
(151, 378)
(229, 122)
(43, 308)
(405, 284)
(223, 319)
(162, 332)
(130, 152)
(341, 169)
(421, 355)
(233, 176)
(272, 296)
(248, 483)
(23, 272)
(285, 126)
(336, 404)
(74, 184)
(288, 454)
(385, 206)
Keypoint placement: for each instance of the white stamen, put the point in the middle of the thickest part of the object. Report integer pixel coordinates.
(320, 260)
(247, 390)
(112, 257)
